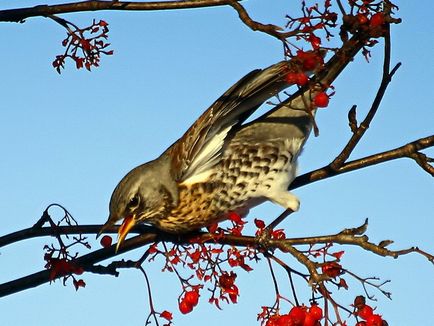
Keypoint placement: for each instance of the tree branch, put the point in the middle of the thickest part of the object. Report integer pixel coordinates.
(20, 14)
(410, 150)
(270, 29)
(339, 164)
(348, 236)
(360, 131)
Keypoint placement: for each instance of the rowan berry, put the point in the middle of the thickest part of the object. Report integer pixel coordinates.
(106, 241)
(192, 297)
(321, 100)
(185, 307)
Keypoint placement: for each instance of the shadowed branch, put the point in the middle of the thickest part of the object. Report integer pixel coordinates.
(20, 14)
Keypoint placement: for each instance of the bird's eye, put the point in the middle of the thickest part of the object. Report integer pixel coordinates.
(134, 202)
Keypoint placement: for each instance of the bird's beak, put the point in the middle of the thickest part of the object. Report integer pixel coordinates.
(125, 227)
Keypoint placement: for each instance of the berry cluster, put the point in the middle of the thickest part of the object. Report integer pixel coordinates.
(298, 316)
(366, 22)
(63, 267)
(83, 45)
(276, 234)
(314, 24)
(303, 63)
(60, 261)
(366, 312)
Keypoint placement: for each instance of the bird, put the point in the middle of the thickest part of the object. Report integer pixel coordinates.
(222, 163)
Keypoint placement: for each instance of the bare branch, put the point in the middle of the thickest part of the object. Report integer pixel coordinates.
(423, 161)
(19, 15)
(352, 118)
(350, 237)
(270, 29)
(88, 261)
(410, 150)
(360, 130)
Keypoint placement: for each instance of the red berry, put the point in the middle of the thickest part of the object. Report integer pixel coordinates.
(260, 224)
(278, 234)
(316, 312)
(377, 19)
(106, 241)
(285, 320)
(310, 63)
(309, 320)
(185, 307)
(309, 60)
(298, 78)
(374, 320)
(321, 100)
(315, 41)
(359, 301)
(365, 312)
(361, 323)
(291, 78)
(166, 315)
(273, 321)
(298, 314)
(301, 79)
(332, 269)
(362, 19)
(192, 297)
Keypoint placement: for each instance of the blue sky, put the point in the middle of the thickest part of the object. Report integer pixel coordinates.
(70, 138)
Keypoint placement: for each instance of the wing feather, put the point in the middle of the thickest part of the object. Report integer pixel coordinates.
(201, 146)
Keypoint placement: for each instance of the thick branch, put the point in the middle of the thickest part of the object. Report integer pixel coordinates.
(411, 150)
(20, 14)
(87, 262)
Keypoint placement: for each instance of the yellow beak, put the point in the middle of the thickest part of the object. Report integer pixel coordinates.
(125, 227)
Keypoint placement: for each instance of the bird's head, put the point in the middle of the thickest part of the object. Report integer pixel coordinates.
(144, 195)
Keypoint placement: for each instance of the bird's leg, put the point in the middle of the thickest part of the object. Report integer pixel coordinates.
(279, 219)
(288, 201)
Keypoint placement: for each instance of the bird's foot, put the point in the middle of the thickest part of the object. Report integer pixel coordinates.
(263, 239)
(267, 234)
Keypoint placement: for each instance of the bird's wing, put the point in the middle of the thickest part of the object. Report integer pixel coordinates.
(201, 146)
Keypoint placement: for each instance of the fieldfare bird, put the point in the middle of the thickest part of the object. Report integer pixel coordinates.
(221, 164)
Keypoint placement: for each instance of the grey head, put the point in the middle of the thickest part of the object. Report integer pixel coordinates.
(145, 194)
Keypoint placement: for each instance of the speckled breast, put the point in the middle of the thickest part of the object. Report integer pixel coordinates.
(239, 181)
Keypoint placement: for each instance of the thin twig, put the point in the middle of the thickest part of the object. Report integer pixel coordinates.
(269, 29)
(289, 272)
(360, 130)
(273, 277)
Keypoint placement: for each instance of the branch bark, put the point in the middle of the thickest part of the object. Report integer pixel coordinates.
(20, 14)
(354, 236)
(410, 150)
(339, 165)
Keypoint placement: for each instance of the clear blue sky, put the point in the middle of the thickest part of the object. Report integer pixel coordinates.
(70, 138)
